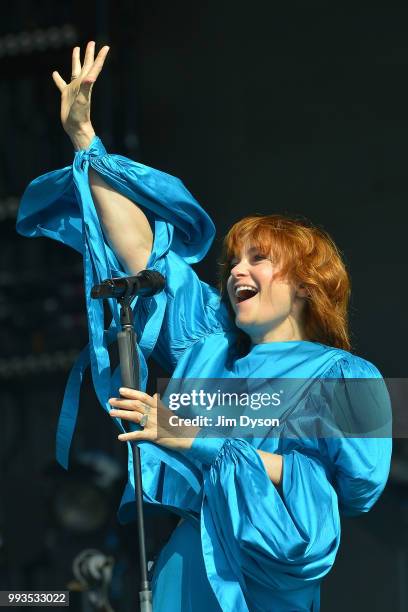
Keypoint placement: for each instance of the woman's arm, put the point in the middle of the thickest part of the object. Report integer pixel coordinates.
(134, 404)
(125, 226)
(273, 465)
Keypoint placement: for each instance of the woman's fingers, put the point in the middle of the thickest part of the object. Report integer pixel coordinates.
(89, 56)
(136, 394)
(76, 63)
(97, 64)
(136, 435)
(90, 69)
(132, 405)
(58, 80)
(127, 415)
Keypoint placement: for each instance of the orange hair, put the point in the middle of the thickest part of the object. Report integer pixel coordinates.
(307, 255)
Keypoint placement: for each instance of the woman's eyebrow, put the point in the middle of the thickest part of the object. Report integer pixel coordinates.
(251, 250)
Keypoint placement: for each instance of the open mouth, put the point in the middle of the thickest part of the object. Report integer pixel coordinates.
(244, 293)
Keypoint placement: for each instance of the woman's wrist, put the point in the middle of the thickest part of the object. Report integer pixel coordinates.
(81, 136)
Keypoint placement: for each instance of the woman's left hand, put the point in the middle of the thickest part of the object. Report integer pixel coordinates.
(137, 406)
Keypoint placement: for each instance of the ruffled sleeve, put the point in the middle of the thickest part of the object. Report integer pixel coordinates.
(359, 447)
(187, 309)
(193, 310)
(59, 205)
(257, 536)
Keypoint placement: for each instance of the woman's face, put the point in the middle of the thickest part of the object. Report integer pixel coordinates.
(266, 307)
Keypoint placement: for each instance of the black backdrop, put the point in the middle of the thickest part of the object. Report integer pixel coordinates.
(257, 108)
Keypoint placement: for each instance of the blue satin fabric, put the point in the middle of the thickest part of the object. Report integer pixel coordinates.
(245, 544)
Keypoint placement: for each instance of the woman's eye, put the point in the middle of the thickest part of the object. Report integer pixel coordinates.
(257, 257)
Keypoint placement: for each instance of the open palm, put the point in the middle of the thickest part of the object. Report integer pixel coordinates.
(76, 95)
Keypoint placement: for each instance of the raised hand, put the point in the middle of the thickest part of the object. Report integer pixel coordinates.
(76, 95)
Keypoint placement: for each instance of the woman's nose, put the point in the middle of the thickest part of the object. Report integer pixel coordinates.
(239, 269)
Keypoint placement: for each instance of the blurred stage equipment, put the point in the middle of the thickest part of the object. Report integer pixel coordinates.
(83, 501)
(38, 40)
(93, 572)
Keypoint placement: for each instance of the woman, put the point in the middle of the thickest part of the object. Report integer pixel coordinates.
(261, 510)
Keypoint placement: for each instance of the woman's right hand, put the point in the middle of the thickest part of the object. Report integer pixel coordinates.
(76, 95)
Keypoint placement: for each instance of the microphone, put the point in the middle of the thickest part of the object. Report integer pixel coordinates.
(146, 283)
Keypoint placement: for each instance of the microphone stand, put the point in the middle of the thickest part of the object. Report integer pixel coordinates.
(130, 372)
(145, 284)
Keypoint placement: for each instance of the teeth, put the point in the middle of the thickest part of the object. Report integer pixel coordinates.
(245, 288)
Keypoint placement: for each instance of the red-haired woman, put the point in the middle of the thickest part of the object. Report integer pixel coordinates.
(260, 505)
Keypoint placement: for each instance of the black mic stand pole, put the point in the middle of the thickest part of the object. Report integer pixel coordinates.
(130, 373)
(145, 284)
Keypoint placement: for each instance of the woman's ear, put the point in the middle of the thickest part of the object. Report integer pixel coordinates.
(301, 291)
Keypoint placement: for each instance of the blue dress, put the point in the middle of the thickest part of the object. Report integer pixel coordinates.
(244, 543)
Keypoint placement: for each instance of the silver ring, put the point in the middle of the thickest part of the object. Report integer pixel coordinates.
(143, 420)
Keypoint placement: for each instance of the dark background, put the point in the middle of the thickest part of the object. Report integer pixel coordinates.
(257, 108)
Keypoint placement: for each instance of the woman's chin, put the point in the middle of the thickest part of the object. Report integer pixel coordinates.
(244, 322)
